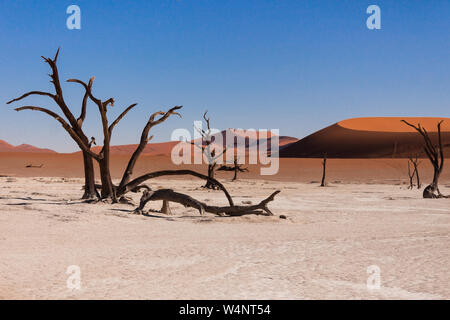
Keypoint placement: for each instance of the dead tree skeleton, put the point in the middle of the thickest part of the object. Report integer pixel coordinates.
(410, 175)
(207, 152)
(170, 195)
(415, 162)
(436, 156)
(71, 124)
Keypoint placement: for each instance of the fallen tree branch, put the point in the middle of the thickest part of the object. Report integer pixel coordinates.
(132, 185)
(170, 195)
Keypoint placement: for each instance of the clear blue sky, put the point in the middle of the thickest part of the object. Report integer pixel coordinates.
(293, 65)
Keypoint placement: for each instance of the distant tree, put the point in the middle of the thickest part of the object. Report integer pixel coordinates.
(435, 154)
(415, 162)
(410, 175)
(208, 152)
(236, 167)
(324, 169)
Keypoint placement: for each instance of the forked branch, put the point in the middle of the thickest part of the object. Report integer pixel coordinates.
(153, 121)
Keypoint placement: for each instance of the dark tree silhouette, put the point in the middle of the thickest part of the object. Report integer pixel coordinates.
(235, 168)
(324, 169)
(435, 154)
(415, 162)
(72, 125)
(410, 175)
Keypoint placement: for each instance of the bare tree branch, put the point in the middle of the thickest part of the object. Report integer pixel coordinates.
(82, 116)
(136, 182)
(144, 140)
(123, 114)
(65, 125)
(32, 93)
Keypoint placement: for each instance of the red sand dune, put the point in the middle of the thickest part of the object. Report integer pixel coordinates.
(6, 147)
(369, 138)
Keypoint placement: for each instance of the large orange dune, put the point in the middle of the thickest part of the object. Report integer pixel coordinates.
(394, 124)
(369, 138)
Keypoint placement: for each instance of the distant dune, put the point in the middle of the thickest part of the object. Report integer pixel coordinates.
(368, 138)
(154, 149)
(250, 140)
(6, 147)
(165, 148)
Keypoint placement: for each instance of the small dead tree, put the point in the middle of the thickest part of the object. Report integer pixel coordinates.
(410, 175)
(324, 169)
(415, 162)
(235, 168)
(436, 156)
(209, 153)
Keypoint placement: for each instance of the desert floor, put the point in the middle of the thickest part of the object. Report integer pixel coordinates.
(322, 250)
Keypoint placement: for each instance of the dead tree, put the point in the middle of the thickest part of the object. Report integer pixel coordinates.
(415, 162)
(170, 195)
(207, 152)
(71, 124)
(410, 175)
(324, 168)
(235, 168)
(436, 156)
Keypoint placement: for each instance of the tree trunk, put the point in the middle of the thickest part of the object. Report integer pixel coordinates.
(89, 177)
(411, 176)
(166, 208)
(324, 168)
(108, 190)
(417, 178)
(209, 184)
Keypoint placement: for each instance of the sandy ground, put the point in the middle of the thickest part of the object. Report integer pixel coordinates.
(321, 251)
(381, 171)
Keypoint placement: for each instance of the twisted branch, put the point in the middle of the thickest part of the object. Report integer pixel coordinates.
(170, 195)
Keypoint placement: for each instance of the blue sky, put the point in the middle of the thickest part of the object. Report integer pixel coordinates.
(294, 65)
